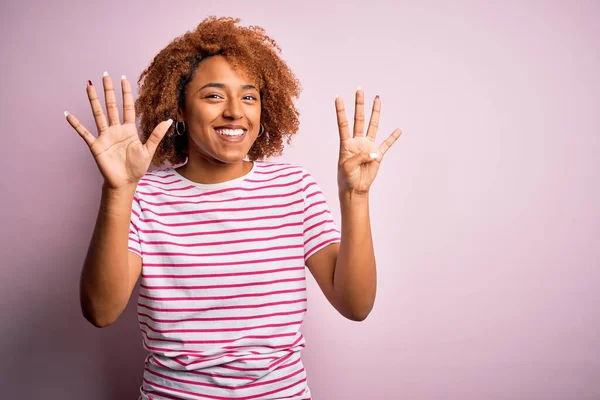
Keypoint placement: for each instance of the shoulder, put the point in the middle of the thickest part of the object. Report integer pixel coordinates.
(160, 179)
(274, 175)
(281, 169)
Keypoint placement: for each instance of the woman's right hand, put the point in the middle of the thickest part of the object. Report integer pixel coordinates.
(121, 157)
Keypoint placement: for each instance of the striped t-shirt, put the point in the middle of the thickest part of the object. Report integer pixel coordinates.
(223, 290)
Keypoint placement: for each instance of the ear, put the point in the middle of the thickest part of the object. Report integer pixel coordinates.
(180, 114)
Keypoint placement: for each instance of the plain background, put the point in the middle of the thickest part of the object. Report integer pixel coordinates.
(485, 212)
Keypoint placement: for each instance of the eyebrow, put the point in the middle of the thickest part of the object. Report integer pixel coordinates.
(222, 86)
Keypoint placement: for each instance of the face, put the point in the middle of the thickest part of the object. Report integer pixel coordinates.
(222, 112)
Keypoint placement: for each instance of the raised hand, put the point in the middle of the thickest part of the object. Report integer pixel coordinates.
(121, 157)
(360, 157)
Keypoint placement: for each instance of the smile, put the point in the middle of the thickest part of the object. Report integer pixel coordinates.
(230, 132)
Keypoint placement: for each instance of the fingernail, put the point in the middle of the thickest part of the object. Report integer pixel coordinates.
(169, 122)
(373, 155)
(337, 95)
(66, 114)
(105, 73)
(123, 77)
(377, 97)
(89, 83)
(358, 88)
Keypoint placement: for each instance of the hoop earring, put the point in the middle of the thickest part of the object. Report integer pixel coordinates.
(177, 130)
(261, 131)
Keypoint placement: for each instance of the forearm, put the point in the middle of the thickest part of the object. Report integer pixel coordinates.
(104, 286)
(355, 277)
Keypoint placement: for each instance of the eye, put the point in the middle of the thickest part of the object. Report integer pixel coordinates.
(213, 96)
(249, 97)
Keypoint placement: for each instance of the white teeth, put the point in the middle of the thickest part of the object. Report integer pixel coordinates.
(230, 132)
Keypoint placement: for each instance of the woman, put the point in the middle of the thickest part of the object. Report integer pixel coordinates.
(219, 238)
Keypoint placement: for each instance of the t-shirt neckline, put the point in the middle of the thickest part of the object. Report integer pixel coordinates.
(220, 185)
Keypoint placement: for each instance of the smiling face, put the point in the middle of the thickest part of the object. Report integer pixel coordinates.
(222, 112)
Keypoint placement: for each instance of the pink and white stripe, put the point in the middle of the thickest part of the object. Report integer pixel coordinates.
(223, 285)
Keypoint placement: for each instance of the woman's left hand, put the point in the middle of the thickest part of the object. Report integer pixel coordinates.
(359, 156)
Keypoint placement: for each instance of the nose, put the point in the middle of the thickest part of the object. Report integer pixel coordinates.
(233, 109)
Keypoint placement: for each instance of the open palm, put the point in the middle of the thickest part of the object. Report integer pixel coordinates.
(360, 157)
(120, 155)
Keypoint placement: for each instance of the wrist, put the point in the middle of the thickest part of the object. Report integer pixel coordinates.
(122, 191)
(353, 196)
(353, 203)
(116, 201)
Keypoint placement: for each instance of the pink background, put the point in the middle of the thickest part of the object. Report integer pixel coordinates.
(485, 213)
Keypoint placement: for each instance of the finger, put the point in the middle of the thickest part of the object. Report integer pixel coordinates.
(359, 113)
(128, 104)
(374, 120)
(81, 130)
(96, 108)
(353, 163)
(157, 135)
(111, 100)
(384, 147)
(341, 119)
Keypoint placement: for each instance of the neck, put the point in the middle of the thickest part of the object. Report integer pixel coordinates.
(202, 170)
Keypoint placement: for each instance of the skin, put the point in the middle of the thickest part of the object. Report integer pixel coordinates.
(217, 96)
(345, 272)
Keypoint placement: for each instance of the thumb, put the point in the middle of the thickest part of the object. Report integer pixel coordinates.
(157, 135)
(354, 162)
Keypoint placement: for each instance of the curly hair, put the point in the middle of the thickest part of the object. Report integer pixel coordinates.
(162, 85)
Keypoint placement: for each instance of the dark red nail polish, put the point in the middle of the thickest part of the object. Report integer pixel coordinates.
(89, 83)
(377, 96)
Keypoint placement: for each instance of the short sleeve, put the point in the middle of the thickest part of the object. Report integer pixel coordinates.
(134, 224)
(320, 229)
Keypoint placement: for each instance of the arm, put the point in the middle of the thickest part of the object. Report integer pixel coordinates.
(346, 272)
(110, 271)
